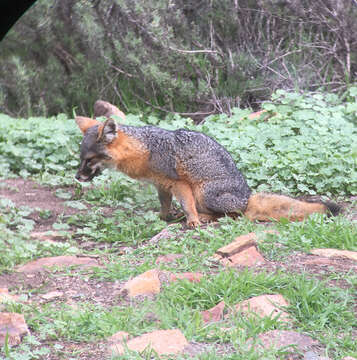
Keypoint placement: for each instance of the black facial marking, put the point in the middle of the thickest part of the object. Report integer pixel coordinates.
(92, 152)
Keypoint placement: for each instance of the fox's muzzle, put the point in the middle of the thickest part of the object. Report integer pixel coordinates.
(87, 175)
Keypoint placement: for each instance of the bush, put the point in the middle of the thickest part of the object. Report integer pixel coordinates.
(37, 145)
(307, 146)
(195, 58)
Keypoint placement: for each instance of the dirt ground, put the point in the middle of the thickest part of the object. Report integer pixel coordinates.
(76, 288)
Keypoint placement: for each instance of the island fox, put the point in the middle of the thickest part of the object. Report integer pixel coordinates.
(188, 165)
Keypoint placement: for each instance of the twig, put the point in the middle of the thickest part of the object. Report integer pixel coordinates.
(193, 51)
(119, 70)
(169, 111)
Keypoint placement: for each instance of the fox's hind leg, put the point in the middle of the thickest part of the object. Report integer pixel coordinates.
(183, 193)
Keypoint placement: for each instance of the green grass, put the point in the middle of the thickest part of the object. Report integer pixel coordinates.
(315, 307)
(315, 232)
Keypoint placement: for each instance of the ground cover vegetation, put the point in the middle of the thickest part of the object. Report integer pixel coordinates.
(302, 145)
(193, 57)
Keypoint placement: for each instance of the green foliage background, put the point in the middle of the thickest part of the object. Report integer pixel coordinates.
(306, 146)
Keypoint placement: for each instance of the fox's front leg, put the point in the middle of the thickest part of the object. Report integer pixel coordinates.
(183, 193)
(165, 198)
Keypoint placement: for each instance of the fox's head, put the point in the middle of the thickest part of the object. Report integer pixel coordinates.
(94, 155)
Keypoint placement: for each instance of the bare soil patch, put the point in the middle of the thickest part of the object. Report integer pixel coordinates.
(318, 266)
(81, 287)
(25, 192)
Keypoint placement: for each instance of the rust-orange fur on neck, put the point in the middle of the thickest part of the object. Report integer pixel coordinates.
(129, 155)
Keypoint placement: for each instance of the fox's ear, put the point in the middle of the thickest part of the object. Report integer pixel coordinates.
(108, 131)
(85, 123)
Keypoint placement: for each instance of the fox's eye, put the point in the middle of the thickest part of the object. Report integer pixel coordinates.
(91, 162)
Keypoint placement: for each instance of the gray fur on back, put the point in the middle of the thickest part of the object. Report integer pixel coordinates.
(203, 158)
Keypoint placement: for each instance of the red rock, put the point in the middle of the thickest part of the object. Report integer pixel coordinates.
(162, 235)
(213, 314)
(265, 305)
(190, 276)
(49, 236)
(5, 296)
(255, 115)
(239, 244)
(226, 262)
(168, 258)
(164, 342)
(320, 261)
(271, 231)
(247, 257)
(335, 253)
(118, 337)
(283, 338)
(147, 283)
(52, 295)
(15, 326)
(60, 261)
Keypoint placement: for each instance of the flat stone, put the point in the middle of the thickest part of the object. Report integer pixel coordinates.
(335, 253)
(14, 326)
(118, 338)
(168, 258)
(162, 235)
(283, 338)
(271, 232)
(320, 261)
(265, 305)
(225, 262)
(240, 243)
(104, 108)
(213, 314)
(5, 296)
(60, 261)
(190, 276)
(52, 295)
(49, 236)
(311, 355)
(163, 342)
(247, 257)
(257, 114)
(147, 283)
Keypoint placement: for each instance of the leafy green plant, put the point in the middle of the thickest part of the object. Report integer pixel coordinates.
(38, 145)
(306, 146)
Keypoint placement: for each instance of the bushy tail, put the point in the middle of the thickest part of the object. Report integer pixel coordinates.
(333, 208)
(266, 207)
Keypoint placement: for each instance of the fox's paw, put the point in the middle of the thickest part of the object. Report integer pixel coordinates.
(193, 223)
(172, 215)
(207, 218)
